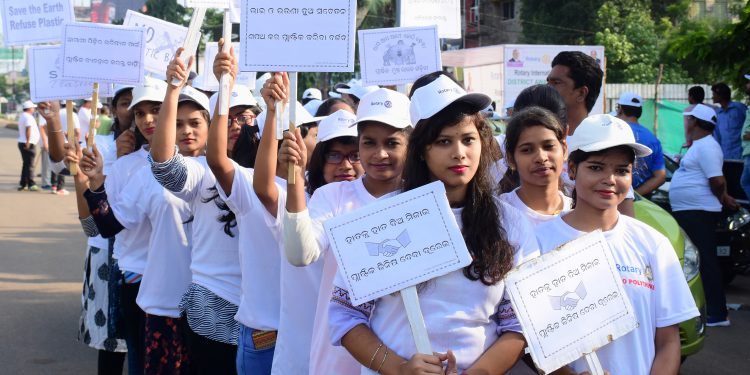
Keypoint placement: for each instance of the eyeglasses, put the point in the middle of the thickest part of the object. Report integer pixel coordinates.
(241, 119)
(337, 157)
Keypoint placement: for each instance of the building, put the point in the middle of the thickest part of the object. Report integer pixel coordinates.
(491, 22)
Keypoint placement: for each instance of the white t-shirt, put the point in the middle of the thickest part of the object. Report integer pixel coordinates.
(166, 276)
(653, 280)
(131, 245)
(534, 217)
(331, 200)
(63, 123)
(260, 247)
(690, 189)
(299, 299)
(498, 168)
(84, 120)
(216, 258)
(27, 120)
(459, 313)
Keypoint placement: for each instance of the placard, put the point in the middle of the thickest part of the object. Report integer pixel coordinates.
(570, 301)
(486, 79)
(46, 83)
(35, 21)
(446, 14)
(397, 242)
(210, 83)
(218, 4)
(527, 65)
(103, 53)
(298, 36)
(398, 55)
(162, 40)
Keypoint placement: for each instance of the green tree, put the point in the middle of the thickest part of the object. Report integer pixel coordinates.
(168, 11)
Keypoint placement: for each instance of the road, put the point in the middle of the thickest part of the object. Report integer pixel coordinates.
(41, 256)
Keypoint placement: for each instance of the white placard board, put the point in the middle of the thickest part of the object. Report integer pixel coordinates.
(234, 10)
(297, 35)
(34, 21)
(210, 83)
(570, 301)
(46, 83)
(218, 4)
(529, 64)
(396, 56)
(162, 40)
(397, 242)
(103, 53)
(446, 14)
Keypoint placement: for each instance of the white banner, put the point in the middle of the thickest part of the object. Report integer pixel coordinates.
(396, 56)
(46, 83)
(34, 21)
(570, 301)
(162, 40)
(446, 14)
(527, 65)
(383, 247)
(210, 83)
(298, 35)
(103, 53)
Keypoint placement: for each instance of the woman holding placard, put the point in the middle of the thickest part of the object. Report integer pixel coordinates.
(212, 299)
(469, 322)
(602, 155)
(383, 126)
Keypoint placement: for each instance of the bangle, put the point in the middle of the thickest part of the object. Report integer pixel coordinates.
(56, 131)
(374, 355)
(383, 361)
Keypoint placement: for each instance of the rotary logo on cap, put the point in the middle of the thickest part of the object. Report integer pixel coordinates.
(388, 104)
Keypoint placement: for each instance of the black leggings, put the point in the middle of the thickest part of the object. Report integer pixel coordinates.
(110, 363)
(208, 356)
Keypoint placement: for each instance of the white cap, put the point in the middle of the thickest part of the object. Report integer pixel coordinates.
(703, 112)
(190, 94)
(337, 124)
(630, 99)
(386, 106)
(313, 105)
(119, 88)
(747, 76)
(28, 105)
(241, 96)
(440, 93)
(600, 132)
(303, 117)
(152, 90)
(333, 94)
(312, 93)
(358, 91)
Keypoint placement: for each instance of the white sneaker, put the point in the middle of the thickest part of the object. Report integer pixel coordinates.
(63, 192)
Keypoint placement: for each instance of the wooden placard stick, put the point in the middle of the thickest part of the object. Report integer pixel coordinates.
(224, 92)
(73, 167)
(292, 172)
(94, 116)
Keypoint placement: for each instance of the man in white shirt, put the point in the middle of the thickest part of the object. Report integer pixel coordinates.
(28, 137)
(84, 120)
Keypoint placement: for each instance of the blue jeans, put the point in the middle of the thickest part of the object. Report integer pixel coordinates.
(745, 179)
(252, 358)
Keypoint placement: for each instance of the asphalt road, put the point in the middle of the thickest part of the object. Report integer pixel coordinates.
(41, 257)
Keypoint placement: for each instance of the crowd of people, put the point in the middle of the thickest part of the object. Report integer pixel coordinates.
(204, 257)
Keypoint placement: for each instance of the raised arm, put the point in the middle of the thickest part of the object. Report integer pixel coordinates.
(88, 224)
(216, 154)
(264, 183)
(162, 143)
(50, 111)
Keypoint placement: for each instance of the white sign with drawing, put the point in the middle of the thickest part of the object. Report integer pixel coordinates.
(46, 83)
(383, 247)
(35, 21)
(396, 56)
(570, 301)
(210, 83)
(297, 35)
(446, 14)
(162, 40)
(103, 53)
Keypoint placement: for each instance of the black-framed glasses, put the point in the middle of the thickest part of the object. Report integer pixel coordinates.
(241, 119)
(337, 157)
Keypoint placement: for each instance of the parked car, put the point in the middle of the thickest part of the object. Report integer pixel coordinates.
(692, 332)
(733, 231)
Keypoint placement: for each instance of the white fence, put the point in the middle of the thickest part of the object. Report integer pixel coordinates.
(672, 92)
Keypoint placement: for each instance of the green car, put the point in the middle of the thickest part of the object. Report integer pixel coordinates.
(692, 332)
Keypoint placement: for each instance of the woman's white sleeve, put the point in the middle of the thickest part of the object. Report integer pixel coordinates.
(300, 239)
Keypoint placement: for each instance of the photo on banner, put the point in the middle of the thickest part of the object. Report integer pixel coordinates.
(446, 14)
(46, 82)
(297, 36)
(162, 40)
(570, 301)
(396, 56)
(383, 248)
(35, 21)
(104, 53)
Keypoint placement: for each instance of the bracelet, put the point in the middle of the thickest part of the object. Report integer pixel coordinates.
(56, 131)
(383, 361)
(373, 356)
